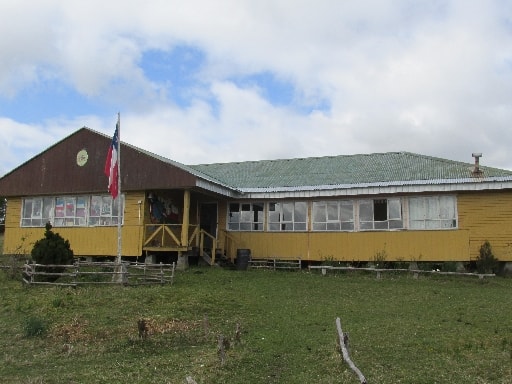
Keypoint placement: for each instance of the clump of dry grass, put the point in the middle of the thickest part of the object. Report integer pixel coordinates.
(163, 326)
(72, 332)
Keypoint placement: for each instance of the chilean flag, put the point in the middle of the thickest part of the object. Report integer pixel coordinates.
(111, 166)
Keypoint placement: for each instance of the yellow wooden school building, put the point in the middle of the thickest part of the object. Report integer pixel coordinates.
(406, 206)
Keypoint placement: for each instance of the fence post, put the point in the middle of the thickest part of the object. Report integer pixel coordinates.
(161, 274)
(206, 326)
(77, 271)
(221, 349)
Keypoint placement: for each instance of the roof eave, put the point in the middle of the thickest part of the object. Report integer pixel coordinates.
(218, 188)
(417, 186)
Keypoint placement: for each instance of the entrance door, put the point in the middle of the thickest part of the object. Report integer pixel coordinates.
(208, 221)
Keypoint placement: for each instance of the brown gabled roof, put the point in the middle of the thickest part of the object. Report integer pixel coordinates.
(55, 170)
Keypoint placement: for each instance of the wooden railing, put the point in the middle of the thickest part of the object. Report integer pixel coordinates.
(202, 236)
(230, 245)
(167, 236)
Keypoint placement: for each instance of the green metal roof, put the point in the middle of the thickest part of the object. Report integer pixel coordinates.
(377, 168)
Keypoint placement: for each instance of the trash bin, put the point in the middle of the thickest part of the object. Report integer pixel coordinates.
(243, 256)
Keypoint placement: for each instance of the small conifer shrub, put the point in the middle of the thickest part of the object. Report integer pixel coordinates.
(486, 262)
(53, 249)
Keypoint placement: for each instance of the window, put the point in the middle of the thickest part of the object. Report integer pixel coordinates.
(69, 211)
(432, 212)
(380, 214)
(36, 212)
(287, 216)
(103, 210)
(333, 215)
(245, 217)
(73, 211)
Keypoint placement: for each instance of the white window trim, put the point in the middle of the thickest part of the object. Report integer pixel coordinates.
(67, 221)
(259, 224)
(455, 219)
(291, 222)
(339, 221)
(357, 226)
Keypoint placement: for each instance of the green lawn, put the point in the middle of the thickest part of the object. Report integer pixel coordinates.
(402, 330)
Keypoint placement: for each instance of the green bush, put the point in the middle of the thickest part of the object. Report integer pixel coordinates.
(34, 326)
(486, 262)
(52, 250)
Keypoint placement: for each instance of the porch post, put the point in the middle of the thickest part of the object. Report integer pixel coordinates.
(186, 218)
(183, 256)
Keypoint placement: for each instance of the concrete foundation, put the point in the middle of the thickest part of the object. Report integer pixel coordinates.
(182, 262)
(150, 259)
(121, 274)
(459, 267)
(413, 266)
(507, 268)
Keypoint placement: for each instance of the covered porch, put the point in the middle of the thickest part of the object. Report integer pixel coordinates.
(184, 223)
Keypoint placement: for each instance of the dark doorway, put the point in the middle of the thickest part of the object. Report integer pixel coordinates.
(208, 221)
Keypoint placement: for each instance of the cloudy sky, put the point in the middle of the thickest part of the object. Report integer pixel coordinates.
(203, 81)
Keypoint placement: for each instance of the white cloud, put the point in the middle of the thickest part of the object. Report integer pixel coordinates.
(424, 76)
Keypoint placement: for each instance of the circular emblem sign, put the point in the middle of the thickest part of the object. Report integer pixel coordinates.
(81, 157)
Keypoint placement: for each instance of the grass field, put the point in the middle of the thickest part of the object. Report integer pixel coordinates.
(402, 330)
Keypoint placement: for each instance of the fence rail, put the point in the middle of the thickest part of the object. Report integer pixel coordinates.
(415, 272)
(275, 263)
(87, 273)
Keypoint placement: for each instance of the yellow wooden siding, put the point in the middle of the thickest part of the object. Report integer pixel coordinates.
(221, 223)
(273, 245)
(16, 240)
(487, 216)
(355, 246)
(85, 241)
(482, 216)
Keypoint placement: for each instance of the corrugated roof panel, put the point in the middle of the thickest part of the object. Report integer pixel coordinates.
(375, 169)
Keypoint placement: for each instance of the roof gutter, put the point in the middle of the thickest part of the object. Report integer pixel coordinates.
(419, 186)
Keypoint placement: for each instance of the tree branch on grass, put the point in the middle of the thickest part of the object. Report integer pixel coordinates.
(343, 342)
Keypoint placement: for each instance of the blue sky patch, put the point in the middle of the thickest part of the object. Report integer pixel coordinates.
(177, 70)
(280, 92)
(49, 100)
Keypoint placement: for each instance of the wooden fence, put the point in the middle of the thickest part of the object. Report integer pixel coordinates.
(83, 273)
(275, 263)
(414, 272)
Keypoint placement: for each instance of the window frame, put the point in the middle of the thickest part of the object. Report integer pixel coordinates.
(372, 220)
(287, 216)
(67, 211)
(247, 218)
(40, 217)
(434, 208)
(338, 222)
